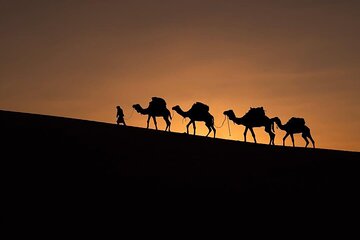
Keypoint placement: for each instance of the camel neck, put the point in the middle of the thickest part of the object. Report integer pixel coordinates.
(235, 119)
(279, 123)
(143, 110)
(182, 113)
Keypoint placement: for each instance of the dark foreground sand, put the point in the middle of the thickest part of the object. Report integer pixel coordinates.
(53, 162)
(54, 151)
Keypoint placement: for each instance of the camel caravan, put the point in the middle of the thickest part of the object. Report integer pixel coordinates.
(199, 112)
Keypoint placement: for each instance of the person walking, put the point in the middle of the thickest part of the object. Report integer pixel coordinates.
(120, 116)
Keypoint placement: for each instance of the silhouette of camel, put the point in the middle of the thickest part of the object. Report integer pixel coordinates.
(253, 120)
(196, 114)
(154, 111)
(293, 126)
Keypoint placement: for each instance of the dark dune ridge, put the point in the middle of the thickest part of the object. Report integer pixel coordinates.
(46, 154)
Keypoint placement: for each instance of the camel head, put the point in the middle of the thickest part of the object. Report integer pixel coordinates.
(229, 113)
(177, 107)
(276, 119)
(137, 107)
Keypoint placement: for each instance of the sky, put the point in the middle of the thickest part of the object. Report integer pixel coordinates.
(82, 58)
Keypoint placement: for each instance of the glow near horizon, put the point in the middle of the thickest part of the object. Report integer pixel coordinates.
(81, 59)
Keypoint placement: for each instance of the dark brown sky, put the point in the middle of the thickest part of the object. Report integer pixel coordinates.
(82, 58)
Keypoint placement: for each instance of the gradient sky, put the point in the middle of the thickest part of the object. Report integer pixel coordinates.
(82, 58)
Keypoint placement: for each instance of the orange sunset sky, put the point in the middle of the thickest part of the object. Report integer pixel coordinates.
(80, 59)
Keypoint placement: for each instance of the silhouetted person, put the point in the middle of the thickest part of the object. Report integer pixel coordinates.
(120, 116)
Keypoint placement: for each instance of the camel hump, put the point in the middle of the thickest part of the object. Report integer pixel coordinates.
(294, 121)
(157, 102)
(256, 112)
(200, 107)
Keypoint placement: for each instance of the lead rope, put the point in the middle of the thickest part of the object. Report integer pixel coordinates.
(131, 114)
(222, 124)
(184, 119)
(229, 126)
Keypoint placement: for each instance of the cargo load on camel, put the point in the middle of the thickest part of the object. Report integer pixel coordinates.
(157, 102)
(199, 107)
(296, 122)
(256, 112)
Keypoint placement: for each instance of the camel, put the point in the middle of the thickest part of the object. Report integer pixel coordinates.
(153, 112)
(196, 115)
(293, 126)
(253, 120)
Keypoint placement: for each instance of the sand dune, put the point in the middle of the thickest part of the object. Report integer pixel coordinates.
(49, 153)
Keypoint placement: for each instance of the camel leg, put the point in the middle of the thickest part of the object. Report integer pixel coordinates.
(292, 139)
(245, 132)
(253, 134)
(148, 121)
(271, 134)
(210, 129)
(154, 118)
(312, 140)
(213, 128)
(194, 127)
(307, 133)
(304, 137)
(168, 123)
(187, 127)
(287, 134)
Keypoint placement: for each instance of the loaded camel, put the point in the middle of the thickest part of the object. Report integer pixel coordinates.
(254, 118)
(157, 108)
(198, 112)
(293, 126)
